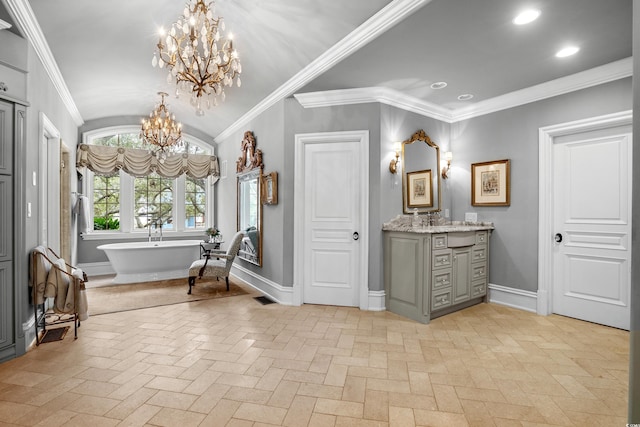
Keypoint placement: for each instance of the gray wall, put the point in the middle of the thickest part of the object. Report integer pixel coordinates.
(333, 119)
(268, 130)
(400, 125)
(513, 134)
(43, 98)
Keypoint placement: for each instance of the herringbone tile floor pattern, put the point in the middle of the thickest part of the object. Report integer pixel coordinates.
(234, 362)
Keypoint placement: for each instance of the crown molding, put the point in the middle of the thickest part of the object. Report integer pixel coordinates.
(596, 76)
(379, 94)
(4, 25)
(386, 18)
(585, 79)
(23, 14)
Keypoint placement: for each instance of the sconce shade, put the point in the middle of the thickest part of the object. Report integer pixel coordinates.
(393, 165)
(448, 156)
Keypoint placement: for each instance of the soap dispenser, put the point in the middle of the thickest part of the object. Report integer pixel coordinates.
(416, 221)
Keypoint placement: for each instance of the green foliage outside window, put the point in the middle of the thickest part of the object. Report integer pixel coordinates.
(153, 197)
(106, 202)
(195, 203)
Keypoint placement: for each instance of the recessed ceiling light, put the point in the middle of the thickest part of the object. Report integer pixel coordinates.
(438, 85)
(567, 51)
(526, 17)
(465, 97)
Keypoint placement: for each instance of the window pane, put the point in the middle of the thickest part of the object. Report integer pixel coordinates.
(153, 202)
(111, 140)
(106, 202)
(131, 140)
(152, 197)
(195, 203)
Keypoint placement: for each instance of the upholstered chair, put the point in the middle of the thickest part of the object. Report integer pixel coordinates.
(216, 263)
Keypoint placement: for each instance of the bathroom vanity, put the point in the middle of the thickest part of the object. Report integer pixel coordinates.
(433, 270)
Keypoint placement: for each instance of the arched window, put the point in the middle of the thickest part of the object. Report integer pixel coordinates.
(129, 206)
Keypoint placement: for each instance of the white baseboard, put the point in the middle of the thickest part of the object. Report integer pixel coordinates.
(284, 294)
(512, 297)
(97, 268)
(376, 301)
(281, 294)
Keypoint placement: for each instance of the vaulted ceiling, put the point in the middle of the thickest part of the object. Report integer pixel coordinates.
(389, 51)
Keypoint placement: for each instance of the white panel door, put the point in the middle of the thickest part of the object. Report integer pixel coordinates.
(331, 262)
(592, 218)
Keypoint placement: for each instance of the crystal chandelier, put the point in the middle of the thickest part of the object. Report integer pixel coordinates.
(199, 59)
(161, 130)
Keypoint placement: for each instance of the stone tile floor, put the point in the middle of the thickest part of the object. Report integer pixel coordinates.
(235, 362)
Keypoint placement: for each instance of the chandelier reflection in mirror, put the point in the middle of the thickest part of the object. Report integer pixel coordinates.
(199, 58)
(161, 131)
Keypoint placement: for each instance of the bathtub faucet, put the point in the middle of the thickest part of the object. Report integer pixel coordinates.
(155, 225)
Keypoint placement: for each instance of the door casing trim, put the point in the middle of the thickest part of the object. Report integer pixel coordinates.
(362, 137)
(546, 136)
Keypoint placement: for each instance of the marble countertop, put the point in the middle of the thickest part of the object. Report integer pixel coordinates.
(403, 223)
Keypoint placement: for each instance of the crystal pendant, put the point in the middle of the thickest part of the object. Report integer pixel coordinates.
(154, 61)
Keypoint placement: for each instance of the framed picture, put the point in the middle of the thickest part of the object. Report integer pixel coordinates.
(490, 183)
(419, 189)
(270, 189)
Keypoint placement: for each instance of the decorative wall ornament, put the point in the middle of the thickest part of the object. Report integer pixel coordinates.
(250, 157)
(270, 189)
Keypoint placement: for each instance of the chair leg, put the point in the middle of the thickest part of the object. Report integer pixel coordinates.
(192, 282)
(227, 279)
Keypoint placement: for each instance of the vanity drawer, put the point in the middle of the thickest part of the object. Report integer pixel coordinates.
(478, 289)
(441, 259)
(481, 237)
(479, 253)
(439, 241)
(441, 299)
(440, 279)
(478, 271)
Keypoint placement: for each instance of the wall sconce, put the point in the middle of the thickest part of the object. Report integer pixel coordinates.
(448, 156)
(395, 163)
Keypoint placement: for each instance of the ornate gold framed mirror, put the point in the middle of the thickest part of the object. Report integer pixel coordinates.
(249, 190)
(421, 189)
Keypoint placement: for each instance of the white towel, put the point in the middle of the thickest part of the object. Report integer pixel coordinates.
(82, 209)
(83, 305)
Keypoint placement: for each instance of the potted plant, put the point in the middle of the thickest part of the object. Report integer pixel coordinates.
(213, 233)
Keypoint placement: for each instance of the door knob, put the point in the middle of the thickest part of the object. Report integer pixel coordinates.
(558, 238)
(356, 236)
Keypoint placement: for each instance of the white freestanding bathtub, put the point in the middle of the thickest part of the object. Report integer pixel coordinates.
(148, 261)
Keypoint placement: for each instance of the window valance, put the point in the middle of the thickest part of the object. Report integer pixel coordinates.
(104, 160)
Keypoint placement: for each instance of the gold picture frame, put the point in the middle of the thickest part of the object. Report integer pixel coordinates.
(419, 189)
(270, 188)
(490, 183)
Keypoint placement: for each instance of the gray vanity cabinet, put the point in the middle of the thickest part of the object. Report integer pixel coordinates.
(431, 274)
(461, 274)
(407, 266)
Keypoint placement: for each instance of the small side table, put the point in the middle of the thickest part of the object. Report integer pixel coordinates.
(206, 246)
